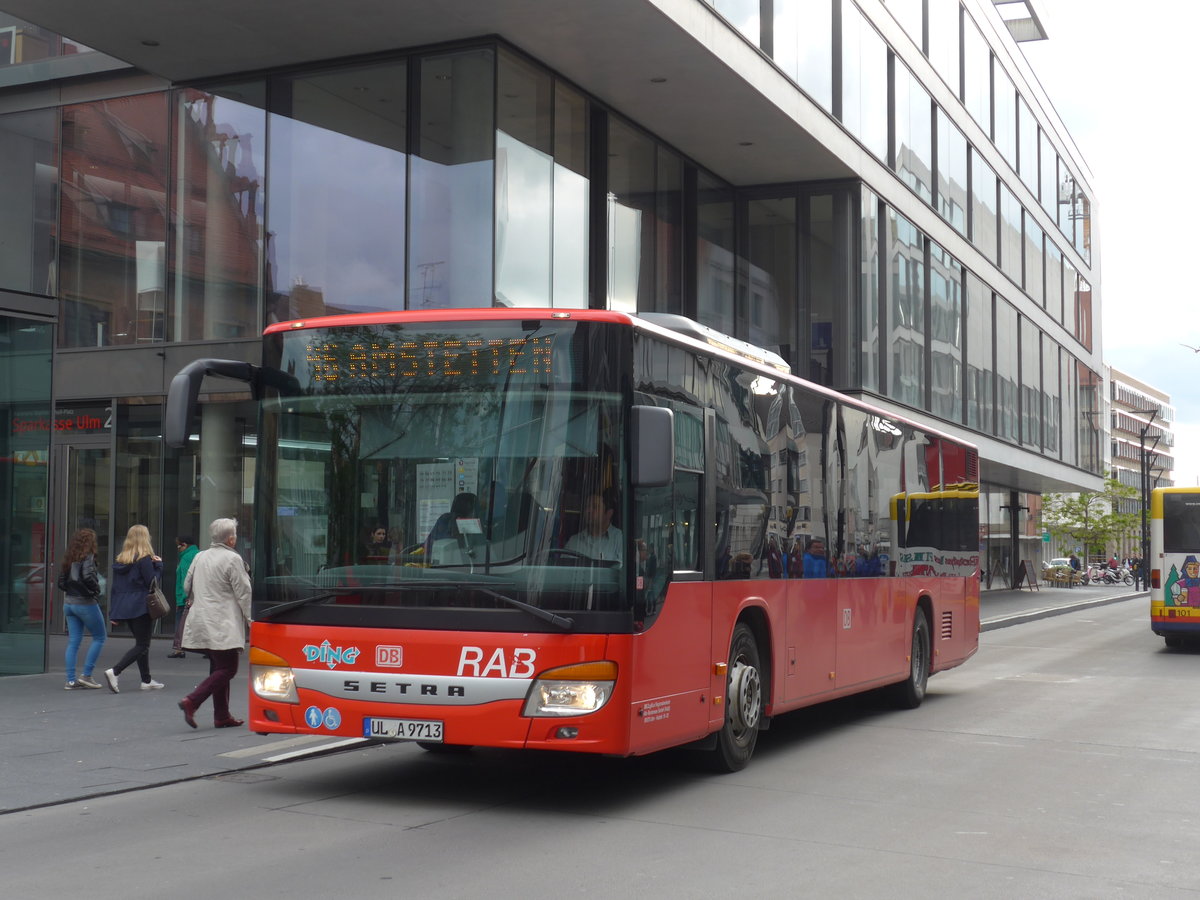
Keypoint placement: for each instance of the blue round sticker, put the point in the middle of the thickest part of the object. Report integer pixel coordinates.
(333, 719)
(313, 716)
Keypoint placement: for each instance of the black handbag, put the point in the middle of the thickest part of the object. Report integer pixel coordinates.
(156, 601)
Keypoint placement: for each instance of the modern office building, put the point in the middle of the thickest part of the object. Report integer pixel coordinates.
(1142, 442)
(881, 192)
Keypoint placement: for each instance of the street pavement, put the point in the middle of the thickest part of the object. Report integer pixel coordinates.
(58, 745)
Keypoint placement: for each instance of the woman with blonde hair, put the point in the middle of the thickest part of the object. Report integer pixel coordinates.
(134, 572)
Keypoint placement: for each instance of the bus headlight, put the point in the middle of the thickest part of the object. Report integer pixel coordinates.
(271, 677)
(572, 690)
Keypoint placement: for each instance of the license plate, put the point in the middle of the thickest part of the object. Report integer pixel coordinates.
(403, 729)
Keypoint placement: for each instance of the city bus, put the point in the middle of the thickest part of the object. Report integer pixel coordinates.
(598, 526)
(1175, 564)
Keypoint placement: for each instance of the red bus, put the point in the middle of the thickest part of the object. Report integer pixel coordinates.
(583, 531)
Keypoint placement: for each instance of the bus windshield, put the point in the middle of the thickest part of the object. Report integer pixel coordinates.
(435, 475)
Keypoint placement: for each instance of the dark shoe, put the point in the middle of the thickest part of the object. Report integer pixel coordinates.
(189, 711)
(178, 655)
(228, 723)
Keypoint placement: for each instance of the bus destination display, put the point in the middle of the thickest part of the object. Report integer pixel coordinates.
(331, 362)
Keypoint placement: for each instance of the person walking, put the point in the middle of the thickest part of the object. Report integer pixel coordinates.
(79, 580)
(219, 586)
(133, 573)
(187, 552)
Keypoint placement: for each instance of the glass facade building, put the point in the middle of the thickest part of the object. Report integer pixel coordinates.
(916, 230)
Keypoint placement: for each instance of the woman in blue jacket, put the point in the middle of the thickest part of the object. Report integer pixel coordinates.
(133, 573)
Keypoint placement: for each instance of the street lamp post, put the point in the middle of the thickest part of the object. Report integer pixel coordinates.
(1145, 498)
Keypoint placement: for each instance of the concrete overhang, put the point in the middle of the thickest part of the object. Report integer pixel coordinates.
(722, 102)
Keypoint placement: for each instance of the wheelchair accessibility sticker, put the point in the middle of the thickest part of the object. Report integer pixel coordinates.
(315, 717)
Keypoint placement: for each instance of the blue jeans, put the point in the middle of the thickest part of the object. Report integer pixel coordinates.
(79, 617)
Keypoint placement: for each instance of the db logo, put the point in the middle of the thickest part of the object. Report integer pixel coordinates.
(391, 657)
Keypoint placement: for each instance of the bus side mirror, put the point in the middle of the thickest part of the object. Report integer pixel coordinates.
(653, 432)
(184, 394)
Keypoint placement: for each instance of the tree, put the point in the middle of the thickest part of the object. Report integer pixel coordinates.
(1090, 519)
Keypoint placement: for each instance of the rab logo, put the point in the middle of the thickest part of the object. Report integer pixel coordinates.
(329, 655)
(389, 657)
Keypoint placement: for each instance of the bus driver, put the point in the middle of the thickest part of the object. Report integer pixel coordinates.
(598, 538)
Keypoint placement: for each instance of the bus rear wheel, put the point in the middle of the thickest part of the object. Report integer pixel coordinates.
(909, 693)
(744, 703)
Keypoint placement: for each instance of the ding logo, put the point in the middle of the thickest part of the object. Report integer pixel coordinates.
(331, 656)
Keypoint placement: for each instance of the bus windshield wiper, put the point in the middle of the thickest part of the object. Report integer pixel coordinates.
(564, 622)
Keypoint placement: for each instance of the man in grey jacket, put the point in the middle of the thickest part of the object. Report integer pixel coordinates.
(218, 586)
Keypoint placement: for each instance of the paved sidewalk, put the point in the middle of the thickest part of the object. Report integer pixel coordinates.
(58, 745)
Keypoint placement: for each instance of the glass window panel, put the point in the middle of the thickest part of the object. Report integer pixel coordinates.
(906, 321)
(914, 134)
(771, 299)
(867, 326)
(946, 333)
(1054, 281)
(952, 173)
(1005, 114)
(944, 25)
(1070, 409)
(22, 43)
(1031, 384)
(524, 183)
(864, 81)
(631, 225)
(338, 183)
(1010, 234)
(113, 227)
(910, 14)
(1083, 224)
(1027, 132)
(1051, 396)
(450, 247)
(715, 270)
(1007, 372)
(215, 265)
(742, 15)
(29, 170)
(669, 204)
(1034, 260)
(979, 355)
(803, 46)
(1083, 311)
(1070, 302)
(570, 198)
(823, 254)
(983, 206)
(137, 478)
(1048, 183)
(1066, 202)
(977, 80)
(26, 590)
(1090, 414)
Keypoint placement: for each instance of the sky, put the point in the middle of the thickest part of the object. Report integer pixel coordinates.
(1124, 84)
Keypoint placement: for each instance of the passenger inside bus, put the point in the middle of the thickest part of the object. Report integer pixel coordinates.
(815, 563)
(376, 546)
(446, 527)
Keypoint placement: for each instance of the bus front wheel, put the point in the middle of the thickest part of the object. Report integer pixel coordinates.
(910, 692)
(743, 703)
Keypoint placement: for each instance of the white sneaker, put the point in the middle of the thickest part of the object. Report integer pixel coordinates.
(111, 677)
(152, 685)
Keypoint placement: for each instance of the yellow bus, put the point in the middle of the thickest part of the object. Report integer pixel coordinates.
(1175, 564)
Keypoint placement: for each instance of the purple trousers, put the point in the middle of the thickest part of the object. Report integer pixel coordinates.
(222, 666)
